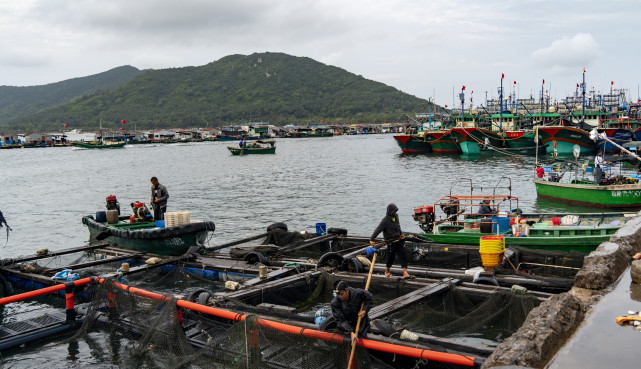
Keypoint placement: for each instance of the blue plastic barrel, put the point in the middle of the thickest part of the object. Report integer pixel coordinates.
(160, 223)
(503, 223)
(321, 228)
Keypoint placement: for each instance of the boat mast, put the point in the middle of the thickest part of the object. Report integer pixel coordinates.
(462, 97)
(583, 93)
(429, 111)
(501, 103)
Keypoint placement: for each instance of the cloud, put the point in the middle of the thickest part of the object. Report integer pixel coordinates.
(568, 53)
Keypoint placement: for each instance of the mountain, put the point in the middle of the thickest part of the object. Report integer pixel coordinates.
(17, 102)
(273, 87)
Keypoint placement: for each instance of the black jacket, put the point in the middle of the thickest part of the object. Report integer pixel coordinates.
(390, 225)
(345, 312)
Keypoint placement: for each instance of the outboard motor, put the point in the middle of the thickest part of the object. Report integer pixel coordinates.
(425, 218)
(112, 203)
(141, 212)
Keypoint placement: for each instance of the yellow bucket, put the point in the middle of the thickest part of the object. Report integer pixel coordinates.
(492, 249)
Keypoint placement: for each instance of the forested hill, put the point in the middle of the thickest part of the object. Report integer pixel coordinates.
(273, 87)
(17, 102)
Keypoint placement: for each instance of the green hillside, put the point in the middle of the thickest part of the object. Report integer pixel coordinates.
(273, 87)
(17, 102)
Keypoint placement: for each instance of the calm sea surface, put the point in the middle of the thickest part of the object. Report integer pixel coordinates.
(344, 181)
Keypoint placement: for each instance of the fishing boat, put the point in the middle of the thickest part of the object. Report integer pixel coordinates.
(256, 147)
(595, 187)
(140, 232)
(472, 139)
(413, 144)
(442, 142)
(560, 140)
(103, 145)
(231, 133)
(459, 219)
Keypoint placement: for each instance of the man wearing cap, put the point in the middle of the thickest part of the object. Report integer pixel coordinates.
(159, 196)
(346, 305)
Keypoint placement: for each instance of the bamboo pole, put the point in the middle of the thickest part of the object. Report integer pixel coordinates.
(358, 321)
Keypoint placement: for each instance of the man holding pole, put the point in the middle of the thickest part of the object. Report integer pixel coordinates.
(346, 309)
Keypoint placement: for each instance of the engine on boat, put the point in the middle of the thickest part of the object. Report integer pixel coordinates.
(112, 203)
(424, 215)
(141, 212)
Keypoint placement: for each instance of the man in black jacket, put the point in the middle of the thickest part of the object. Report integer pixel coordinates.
(346, 305)
(394, 238)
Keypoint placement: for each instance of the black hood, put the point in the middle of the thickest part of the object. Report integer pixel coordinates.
(391, 208)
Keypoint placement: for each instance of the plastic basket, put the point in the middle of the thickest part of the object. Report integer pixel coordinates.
(492, 244)
(492, 259)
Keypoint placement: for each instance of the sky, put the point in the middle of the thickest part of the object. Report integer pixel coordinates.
(427, 48)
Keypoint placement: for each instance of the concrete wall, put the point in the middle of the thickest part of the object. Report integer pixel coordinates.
(548, 326)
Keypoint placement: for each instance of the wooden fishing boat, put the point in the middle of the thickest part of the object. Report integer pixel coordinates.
(413, 144)
(256, 147)
(145, 236)
(590, 193)
(458, 219)
(104, 145)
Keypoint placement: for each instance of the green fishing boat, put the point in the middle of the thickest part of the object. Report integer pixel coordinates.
(256, 147)
(146, 236)
(464, 219)
(104, 145)
(561, 140)
(591, 194)
(413, 144)
(442, 142)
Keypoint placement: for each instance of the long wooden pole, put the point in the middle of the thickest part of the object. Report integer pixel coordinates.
(358, 321)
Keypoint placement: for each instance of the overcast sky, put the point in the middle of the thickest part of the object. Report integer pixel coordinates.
(428, 48)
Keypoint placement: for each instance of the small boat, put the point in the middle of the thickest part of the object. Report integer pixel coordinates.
(145, 235)
(104, 145)
(256, 147)
(460, 222)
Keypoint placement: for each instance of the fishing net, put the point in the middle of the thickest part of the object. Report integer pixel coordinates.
(456, 313)
(148, 333)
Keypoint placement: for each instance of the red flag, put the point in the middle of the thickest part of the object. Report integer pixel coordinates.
(583, 69)
(66, 124)
(514, 82)
(543, 81)
(463, 88)
(577, 85)
(123, 121)
(612, 83)
(502, 75)
(123, 128)
(446, 106)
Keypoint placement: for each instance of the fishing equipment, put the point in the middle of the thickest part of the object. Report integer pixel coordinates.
(113, 204)
(141, 212)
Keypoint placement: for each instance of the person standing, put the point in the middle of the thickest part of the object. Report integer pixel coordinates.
(159, 196)
(346, 306)
(391, 228)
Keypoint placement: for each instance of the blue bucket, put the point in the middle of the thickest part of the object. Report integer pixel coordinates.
(503, 223)
(321, 228)
(160, 223)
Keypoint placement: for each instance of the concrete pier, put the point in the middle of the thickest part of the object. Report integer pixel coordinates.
(549, 326)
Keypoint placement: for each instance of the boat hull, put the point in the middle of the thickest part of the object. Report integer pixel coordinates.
(618, 196)
(251, 151)
(92, 146)
(471, 139)
(561, 139)
(442, 142)
(413, 145)
(161, 241)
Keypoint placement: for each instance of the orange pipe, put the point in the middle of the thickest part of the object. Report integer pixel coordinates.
(416, 352)
(40, 292)
(312, 333)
